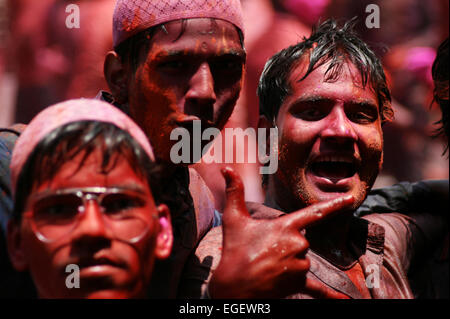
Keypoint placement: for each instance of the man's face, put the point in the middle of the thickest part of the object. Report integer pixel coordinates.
(331, 141)
(110, 267)
(195, 76)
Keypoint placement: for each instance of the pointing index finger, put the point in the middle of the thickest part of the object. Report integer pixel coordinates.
(311, 214)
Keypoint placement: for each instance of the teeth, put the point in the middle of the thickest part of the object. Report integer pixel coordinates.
(336, 159)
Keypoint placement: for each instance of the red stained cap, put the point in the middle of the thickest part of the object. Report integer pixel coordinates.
(134, 16)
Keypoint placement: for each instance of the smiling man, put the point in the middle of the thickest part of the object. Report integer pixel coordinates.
(328, 129)
(328, 98)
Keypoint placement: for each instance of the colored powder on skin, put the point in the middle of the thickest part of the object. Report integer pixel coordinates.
(155, 102)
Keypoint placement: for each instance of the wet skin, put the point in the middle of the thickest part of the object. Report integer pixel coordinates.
(331, 150)
(109, 267)
(331, 142)
(195, 76)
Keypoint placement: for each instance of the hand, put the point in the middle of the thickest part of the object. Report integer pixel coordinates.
(267, 258)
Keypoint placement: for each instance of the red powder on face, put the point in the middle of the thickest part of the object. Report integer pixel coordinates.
(153, 104)
(164, 90)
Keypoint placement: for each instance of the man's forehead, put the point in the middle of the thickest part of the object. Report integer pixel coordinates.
(320, 84)
(85, 169)
(196, 36)
(343, 72)
(324, 71)
(196, 28)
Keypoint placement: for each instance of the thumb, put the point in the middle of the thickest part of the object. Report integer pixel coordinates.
(235, 200)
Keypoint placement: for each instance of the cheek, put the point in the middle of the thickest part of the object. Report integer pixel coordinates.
(151, 106)
(297, 134)
(373, 142)
(295, 145)
(143, 259)
(372, 155)
(46, 263)
(226, 103)
(39, 255)
(149, 97)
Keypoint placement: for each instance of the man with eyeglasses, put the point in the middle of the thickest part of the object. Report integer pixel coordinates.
(92, 204)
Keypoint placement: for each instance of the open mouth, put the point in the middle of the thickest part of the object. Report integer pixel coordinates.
(334, 168)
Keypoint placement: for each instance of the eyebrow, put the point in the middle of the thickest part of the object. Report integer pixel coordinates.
(311, 99)
(317, 98)
(183, 53)
(128, 186)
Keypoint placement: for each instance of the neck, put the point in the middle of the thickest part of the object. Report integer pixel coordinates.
(279, 197)
(333, 246)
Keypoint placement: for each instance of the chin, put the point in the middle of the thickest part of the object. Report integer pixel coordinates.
(315, 195)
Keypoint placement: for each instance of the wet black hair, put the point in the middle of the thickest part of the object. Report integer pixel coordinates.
(440, 73)
(328, 43)
(84, 137)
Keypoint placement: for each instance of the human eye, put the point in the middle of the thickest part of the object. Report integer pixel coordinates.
(173, 65)
(363, 114)
(360, 117)
(58, 209)
(311, 114)
(227, 64)
(120, 205)
(311, 109)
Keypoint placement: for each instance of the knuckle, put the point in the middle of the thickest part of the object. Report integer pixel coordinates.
(316, 211)
(303, 244)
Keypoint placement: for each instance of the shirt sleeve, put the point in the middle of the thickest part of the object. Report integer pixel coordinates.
(6, 202)
(411, 238)
(404, 197)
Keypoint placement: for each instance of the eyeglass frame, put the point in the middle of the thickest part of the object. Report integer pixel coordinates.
(83, 193)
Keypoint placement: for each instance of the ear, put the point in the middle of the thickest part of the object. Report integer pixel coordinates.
(164, 239)
(264, 123)
(15, 246)
(116, 76)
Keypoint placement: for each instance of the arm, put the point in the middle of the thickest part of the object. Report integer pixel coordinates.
(259, 258)
(423, 196)
(8, 139)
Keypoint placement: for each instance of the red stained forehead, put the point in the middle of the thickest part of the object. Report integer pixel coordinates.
(195, 36)
(344, 81)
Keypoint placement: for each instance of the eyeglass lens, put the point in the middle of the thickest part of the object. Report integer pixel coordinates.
(57, 215)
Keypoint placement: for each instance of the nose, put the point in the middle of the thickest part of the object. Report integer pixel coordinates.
(338, 127)
(91, 223)
(201, 87)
